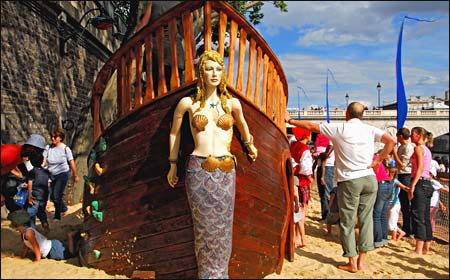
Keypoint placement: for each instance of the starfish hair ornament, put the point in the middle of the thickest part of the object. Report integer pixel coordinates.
(212, 105)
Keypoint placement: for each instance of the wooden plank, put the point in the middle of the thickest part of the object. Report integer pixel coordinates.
(207, 32)
(175, 77)
(233, 35)
(162, 88)
(149, 92)
(251, 62)
(270, 82)
(240, 76)
(138, 96)
(188, 46)
(264, 85)
(258, 78)
(129, 105)
(222, 31)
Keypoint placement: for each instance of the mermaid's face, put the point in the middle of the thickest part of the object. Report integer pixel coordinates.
(212, 73)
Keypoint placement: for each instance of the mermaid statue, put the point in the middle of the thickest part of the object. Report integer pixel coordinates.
(211, 168)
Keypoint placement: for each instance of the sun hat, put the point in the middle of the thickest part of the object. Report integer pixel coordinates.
(37, 141)
(19, 218)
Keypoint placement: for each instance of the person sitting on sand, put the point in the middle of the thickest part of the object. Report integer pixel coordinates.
(38, 243)
(353, 143)
(394, 205)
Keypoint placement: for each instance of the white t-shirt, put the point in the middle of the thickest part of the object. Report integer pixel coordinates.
(58, 158)
(435, 197)
(434, 167)
(353, 143)
(45, 245)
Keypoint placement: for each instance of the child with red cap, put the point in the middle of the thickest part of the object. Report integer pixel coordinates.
(302, 156)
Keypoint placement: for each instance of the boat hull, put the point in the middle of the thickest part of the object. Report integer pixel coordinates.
(147, 225)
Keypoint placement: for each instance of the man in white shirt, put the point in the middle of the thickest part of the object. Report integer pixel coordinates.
(353, 143)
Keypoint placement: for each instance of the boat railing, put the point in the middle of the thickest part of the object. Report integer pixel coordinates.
(259, 78)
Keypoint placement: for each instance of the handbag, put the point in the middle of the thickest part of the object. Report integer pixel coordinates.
(21, 197)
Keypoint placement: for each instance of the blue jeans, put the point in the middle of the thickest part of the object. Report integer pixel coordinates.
(57, 252)
(57, 188)
(38, 209)
(325, 190)
(380, 225)
(405, 204)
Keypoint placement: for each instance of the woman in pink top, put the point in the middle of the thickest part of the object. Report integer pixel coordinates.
(380, 222)
(421, 190)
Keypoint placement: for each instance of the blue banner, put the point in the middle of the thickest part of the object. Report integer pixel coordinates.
(402, 104)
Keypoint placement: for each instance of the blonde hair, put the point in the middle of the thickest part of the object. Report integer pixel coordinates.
(201, 84)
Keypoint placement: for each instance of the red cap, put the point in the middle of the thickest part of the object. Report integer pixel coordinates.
(300, 133)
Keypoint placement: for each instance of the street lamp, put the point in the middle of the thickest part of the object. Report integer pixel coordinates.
(379, 90)
(346, 99)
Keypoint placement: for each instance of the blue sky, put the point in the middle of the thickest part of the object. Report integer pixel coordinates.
(358, 40)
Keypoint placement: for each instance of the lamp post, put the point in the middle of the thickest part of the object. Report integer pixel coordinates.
(379, 90)
(346, 99)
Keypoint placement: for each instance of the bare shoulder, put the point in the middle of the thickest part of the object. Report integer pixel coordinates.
(185, 101)
(235, 103)
(184, 104)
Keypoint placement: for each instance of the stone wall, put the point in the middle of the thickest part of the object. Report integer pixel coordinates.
(42, 89)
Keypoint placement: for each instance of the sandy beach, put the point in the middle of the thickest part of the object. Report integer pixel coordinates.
(317, 260)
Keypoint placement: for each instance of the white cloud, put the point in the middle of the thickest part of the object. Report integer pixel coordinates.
(358, 79)
(347, 22)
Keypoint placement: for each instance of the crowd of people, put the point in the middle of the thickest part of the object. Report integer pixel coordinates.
(363, 191)
(32, 174)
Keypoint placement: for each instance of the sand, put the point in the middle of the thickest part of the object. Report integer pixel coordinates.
(317, 260)
(12, 266)
(322, 255)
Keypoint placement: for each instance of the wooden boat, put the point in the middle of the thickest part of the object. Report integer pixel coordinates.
(140, 223)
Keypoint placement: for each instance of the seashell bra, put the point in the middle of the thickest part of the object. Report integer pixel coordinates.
(200, 121)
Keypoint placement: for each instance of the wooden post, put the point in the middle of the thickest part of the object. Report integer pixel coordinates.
(264, 85)
(128, 104)
(240, 76)
(258, 77)
(162, 88)
(233, 35)
(138, 95)
(188, 46)
(207, 25)
(175, 77)
(149, 92)
(270, 82)
(251, 62)
(222, 30)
